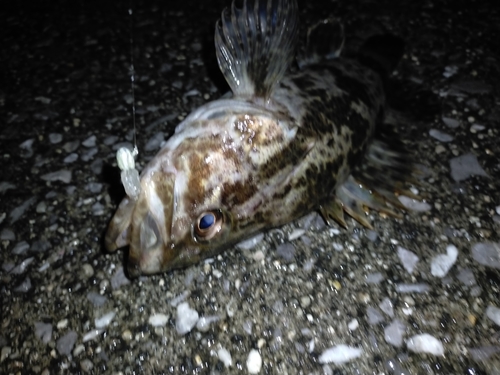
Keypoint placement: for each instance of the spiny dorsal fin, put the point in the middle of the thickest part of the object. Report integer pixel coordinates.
(324, 42)
(255, 44)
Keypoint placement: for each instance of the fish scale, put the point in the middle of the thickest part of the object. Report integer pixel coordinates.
(287, 141)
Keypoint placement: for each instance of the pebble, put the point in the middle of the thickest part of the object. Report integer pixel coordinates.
(225, 357)
(63, 323)
(186, 318)
(71, 158)
(86, 365)
(393, 333)
(119, 279)
(158, 320)
(87, 270)
(374, 278)
(65, 344)
(19, 211)
(7, 235)
(24, 287)
(92, 334)
(55, 138)
(484, 353)
(71, 146)
(296, 233)
(408, 259)
(413, 204)
(41, 207)
(40, 246)
(487, 254)
(440, 136)
(127, 335)
(425, 343)
(203, 324)
(27, 148)
(451, 122)
(466, 276)
(254, 362)
(339, 354)
(62, 175)
(412, 288)
(286, 251)
(387, 307)
(493, 313)
(442, 263)
(90, 141)
(104, 320)
(465, 166)
(251, 242)
(353, 325)
(374, 316)
(43, 331)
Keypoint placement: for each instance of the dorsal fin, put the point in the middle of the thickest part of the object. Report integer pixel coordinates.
(325, 41)
(255, 44)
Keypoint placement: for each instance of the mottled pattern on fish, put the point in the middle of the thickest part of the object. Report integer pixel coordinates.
(285, 144)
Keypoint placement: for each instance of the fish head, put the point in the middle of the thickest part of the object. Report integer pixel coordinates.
(199, 195)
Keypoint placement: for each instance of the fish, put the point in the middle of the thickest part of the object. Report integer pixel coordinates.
(301, 130)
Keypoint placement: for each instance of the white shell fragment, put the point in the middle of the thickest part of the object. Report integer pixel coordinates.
(129, 175)
(339, 354)
(425, 343)
(441, 264)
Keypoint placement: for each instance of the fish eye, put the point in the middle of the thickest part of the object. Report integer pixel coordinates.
(208, 225)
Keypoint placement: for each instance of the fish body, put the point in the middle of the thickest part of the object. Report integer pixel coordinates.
(284, 144)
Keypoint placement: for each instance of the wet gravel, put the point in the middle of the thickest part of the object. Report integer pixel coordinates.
(279, 303)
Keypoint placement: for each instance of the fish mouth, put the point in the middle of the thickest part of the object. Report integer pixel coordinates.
(146, 248)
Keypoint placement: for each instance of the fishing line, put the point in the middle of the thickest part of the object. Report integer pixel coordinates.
(135, 151)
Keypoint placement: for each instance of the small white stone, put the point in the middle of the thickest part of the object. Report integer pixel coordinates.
(186, 318)
(158, 320)
(104, 320)
(204, 322)
(225, 357)
(296, 233)
(413, 204)
(408, 258)
(251, 242)
(394, 332)
(441, 264)
(425, 343)
(91, 335)
(62, 324)
(353, 324)
(254, 362)
(339, 354)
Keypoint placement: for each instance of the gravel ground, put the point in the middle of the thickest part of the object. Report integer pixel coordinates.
(296, 291)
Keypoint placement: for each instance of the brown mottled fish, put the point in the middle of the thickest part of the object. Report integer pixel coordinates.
(291, 138)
